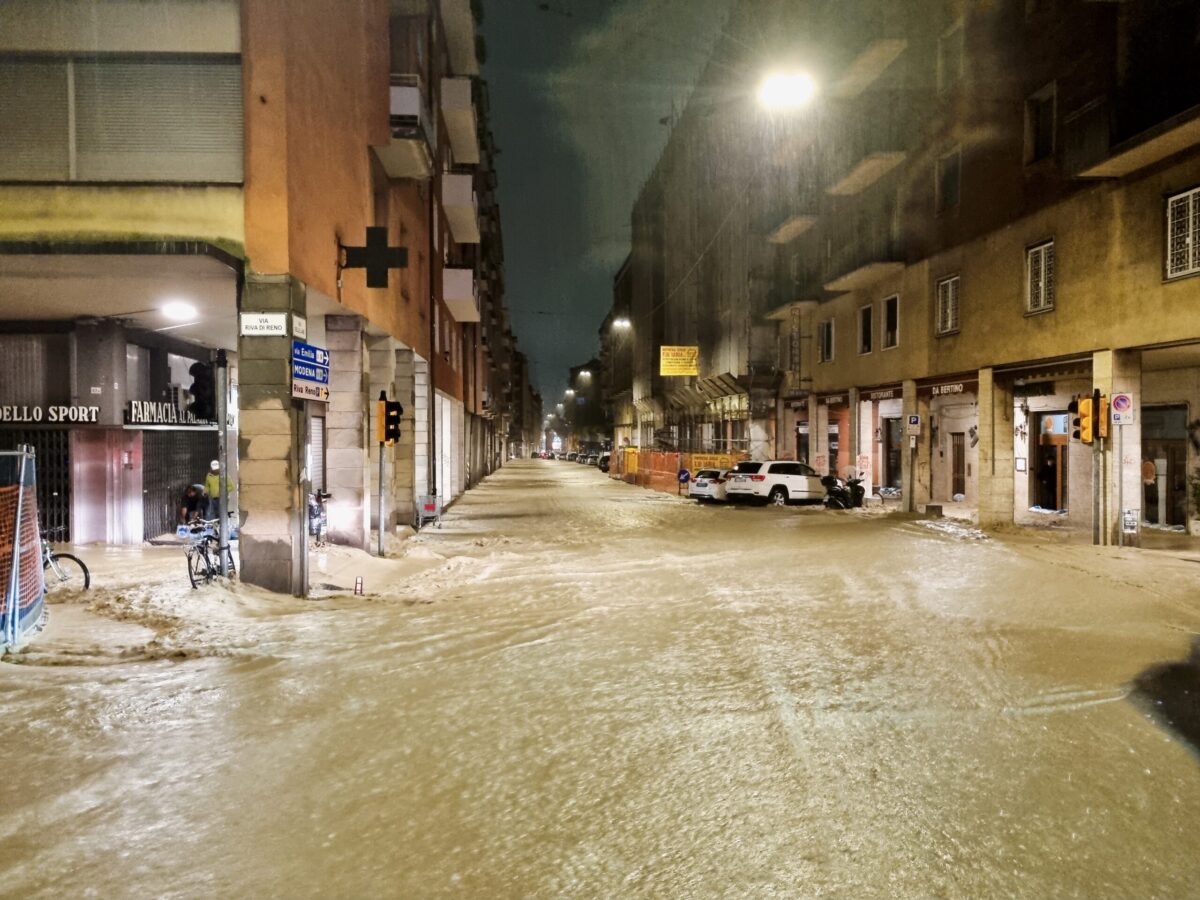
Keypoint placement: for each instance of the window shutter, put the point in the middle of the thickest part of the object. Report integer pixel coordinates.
(34, 119)
(159, 121)
(953, 304)
(1180, 221)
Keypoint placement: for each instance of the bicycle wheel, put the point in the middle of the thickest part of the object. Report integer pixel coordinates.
(64, 572)
(214, 550)
(199, 566)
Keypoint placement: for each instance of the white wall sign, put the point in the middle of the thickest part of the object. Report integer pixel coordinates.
(1121, 406)
(150, 412)
(263, 324)
(299, 327)
(54, 414)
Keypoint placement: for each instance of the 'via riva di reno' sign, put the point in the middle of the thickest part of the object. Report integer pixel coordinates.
(54, 415)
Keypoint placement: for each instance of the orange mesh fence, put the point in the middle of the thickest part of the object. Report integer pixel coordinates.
(29, 581)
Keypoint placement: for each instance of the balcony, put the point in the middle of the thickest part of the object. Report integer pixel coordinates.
(410, 152)
(865, 253)
(872, 61)
(459, 294)
(461, 208)
(1176, 134)
(458, 109)
(458, 24)
(873, 142)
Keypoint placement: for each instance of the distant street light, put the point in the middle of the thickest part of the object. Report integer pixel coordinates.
(621, 323)
(783, 92)
(585, 374)
(569, 393)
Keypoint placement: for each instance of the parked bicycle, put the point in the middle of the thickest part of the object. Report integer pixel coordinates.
(62, 572)
(204, 552)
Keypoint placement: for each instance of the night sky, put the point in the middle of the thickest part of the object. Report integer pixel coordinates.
(579, 89)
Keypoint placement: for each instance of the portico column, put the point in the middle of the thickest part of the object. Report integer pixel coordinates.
(347, 465)
(414, 425)
(381, 356)
(271, 446)
(856, 440)
(915, 464)
(996, 482)
(1120, 371)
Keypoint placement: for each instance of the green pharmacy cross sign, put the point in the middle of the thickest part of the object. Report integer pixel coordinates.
(376, 257)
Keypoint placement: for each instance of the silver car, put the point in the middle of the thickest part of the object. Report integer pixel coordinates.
(709, 484)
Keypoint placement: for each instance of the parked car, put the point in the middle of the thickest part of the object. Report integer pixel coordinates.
(593, 459)
(708, 484)
(571, 456)
(774, 481)
(603, 462)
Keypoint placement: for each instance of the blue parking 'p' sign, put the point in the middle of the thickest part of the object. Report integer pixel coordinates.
(684, 476)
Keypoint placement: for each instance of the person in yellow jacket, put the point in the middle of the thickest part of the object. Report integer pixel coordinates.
(212, 487)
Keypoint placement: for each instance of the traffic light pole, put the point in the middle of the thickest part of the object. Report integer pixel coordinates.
(222, 402)
(382, 469)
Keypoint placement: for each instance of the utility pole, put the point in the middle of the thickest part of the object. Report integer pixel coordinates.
(221, 368)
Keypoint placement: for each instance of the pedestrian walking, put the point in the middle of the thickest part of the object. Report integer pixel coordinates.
(212, 487)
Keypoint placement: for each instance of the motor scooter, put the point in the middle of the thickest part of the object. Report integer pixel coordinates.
(840, 494)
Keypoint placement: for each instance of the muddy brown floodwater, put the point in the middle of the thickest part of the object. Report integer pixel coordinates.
(578, 688)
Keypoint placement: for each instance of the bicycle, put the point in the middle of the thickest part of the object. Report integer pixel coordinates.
(62, 572)
(203, 553)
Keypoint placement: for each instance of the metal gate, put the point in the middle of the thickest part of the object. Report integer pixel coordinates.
(52, 448)
(171, 460)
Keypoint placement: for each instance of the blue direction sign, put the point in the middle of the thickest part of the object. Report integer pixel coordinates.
(310, 371)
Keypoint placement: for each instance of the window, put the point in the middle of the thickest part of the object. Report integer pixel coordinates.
(950, 58)
(865, 329)
(121, 119)
(947, 305)
(949, 180)
(1183, 234)
(1039, 125)
(825, 341)
(1039, 278)
(891, 322)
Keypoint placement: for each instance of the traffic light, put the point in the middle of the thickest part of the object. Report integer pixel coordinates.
(1083, 421)
(1102, 417)
(203, 405)
(387, 419)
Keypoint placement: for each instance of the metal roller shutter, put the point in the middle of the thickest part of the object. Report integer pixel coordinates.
(316, 449)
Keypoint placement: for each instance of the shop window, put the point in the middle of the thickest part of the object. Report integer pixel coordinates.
(865, 329)
(891, 322)
(1183, 234)
(825, 341)
(947, 305)
(1039, 278)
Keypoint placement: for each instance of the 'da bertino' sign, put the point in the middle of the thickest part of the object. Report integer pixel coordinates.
(678, 360)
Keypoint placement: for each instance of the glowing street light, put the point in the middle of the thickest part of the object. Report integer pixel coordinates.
(179, 311)
(782, 91)
(584, 373)
(569, 393)
(621, 323)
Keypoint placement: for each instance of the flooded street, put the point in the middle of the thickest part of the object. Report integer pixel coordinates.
(581, 688)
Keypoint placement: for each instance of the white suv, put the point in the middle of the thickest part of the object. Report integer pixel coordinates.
(776, 482)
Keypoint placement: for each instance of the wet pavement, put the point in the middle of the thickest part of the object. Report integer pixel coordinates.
(579, 688)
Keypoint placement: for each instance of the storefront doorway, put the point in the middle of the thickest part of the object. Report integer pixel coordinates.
(1054, 442)
(893, 475)
(1164, 465)
(958, 464)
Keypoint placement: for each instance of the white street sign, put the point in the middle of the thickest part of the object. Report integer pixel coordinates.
(1121, 406)
(914, 426)
(299, 327)
(260, 324)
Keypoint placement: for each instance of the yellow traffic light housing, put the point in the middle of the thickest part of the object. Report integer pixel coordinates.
(392, 411)
(1084, 421)
(380, 418)
(1102, 417)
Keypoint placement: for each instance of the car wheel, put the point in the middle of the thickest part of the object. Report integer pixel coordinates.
(778, 496)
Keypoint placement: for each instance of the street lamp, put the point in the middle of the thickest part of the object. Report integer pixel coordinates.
(621, 323)
(584, 373)
(569, 393)
(783, 91)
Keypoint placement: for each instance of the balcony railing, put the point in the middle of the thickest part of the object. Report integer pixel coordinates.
(458, 109)
(413, 144)
(460, 294)
(461, 207)
(864, 251)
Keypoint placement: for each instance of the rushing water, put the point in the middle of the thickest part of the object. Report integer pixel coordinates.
(580, 688)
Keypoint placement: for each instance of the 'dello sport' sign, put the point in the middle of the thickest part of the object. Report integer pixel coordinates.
(54, 415)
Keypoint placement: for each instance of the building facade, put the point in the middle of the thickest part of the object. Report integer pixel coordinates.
(985, 216)
(185, 178)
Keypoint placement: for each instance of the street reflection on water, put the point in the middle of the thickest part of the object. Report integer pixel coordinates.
(582, 688)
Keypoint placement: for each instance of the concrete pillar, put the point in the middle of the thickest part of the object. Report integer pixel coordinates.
(996, 463)
(915, 461)
(814, 430)
(1120, 371)
(347, 464)
(405, 478)
(855, 438)
(271, 447)
(823, 459)
(381, 366)
(422, 404)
